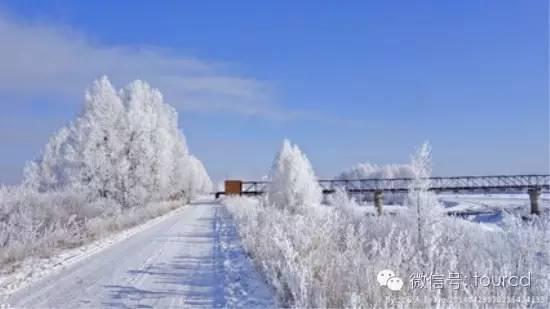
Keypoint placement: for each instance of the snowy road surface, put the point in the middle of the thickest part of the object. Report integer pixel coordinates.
(190, 259)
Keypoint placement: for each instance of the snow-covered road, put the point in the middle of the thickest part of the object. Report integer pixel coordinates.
(190, 259)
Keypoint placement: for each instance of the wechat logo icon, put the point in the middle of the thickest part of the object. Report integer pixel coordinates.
(388, 279)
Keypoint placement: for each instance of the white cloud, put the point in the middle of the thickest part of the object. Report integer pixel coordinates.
(42, 60)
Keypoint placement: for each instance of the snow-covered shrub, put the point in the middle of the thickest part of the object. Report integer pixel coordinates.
(340, 198)
(125, 145)
(346, 204)
(104, 225)
(327, 259)
(293, 184)
(31, 223)
(38, 224)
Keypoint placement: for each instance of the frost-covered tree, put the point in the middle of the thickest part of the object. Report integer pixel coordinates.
(96, 143)
(125, 146)
(293, 184)
(152, 136)
(422, 201)
(43, 174)
(198, 180)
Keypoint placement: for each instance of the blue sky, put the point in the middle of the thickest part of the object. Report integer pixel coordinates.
(364, 81)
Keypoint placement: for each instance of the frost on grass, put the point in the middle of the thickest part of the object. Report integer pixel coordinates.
(107, 170)
(330, 256)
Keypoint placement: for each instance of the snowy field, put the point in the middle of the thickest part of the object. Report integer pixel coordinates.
(491, 206)
(519, 201)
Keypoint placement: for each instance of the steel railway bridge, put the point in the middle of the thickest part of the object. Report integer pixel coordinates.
(532, 184)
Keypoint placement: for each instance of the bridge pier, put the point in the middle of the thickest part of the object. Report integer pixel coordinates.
(534, 194)
(378, 201)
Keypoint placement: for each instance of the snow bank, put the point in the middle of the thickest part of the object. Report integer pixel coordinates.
(243, 286)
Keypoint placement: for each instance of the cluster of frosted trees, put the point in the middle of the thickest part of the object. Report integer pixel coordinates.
(125, 146)
(123, 161)
(374, 171)
(317, 255)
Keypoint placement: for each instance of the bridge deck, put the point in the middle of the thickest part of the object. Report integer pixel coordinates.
(498, 183)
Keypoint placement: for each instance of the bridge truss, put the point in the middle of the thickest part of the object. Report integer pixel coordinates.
(497, 183)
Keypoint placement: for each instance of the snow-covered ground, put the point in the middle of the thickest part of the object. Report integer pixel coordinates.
(189, 257)
(491, 201)
(489, 206)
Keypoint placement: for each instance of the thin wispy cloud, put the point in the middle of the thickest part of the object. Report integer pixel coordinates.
(44, 60)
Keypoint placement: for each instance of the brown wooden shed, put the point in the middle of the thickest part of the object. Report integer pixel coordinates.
(233, 187)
